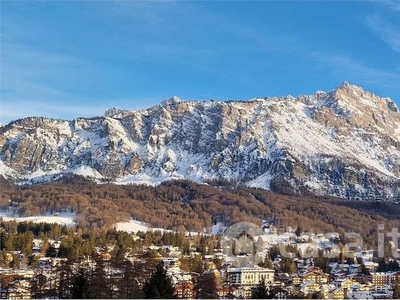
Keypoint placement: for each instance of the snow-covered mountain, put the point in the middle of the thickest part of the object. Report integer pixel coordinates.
(345, 143)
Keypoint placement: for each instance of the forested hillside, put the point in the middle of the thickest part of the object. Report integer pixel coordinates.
(184, 205)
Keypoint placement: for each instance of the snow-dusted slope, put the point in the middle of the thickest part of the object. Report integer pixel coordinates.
(344, 143)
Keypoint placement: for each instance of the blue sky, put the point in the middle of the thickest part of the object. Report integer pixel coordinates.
(66, 59)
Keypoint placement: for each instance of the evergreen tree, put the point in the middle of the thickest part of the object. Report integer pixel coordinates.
(274, 252)
(1, 258)
(206, 286)
(321, 262)
(80, 287)
(159, 285)
(129, 284)
(289, 266)
(99, 282)
(382, 265)
(393, 265)
(317, 295)
(202, 246)
(3, 240)
(38, 286)
(364, 270)
(65, 281)
(52, 252)
(192, 264)
(267, 263)
(261, 291)
(298, 231)
(118, 254)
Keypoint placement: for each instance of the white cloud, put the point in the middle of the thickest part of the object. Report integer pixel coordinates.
(347, 66)
(24, 72)
(33, 80)
(392, 4)
(386, 32)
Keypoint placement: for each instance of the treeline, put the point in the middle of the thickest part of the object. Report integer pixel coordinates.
(94, 279)
(101, 279)
(75, 245)
(188, 206)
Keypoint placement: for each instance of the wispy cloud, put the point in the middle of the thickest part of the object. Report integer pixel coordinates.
(39, 83)
(52, 83)
(386, 32)
(24, 71)
(343, 65)
(346, 66)
(32, 79)
(394, 5)
(149, 35)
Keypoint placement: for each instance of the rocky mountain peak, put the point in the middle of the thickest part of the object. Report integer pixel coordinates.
(347, 86)
(170, 101)
(112, 112)
(362, 108)
(355, 97)
(349, 94)
(115, 112)
(343, 143)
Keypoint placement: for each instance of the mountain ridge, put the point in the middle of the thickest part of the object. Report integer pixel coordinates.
(343, 143)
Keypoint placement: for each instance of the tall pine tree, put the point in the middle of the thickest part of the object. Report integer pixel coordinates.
(159, 286)
(206, 286)
(129, 283)
(80, 287)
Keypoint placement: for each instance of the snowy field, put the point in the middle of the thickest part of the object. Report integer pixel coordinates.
(63, 219)
(68, 219)
(132, 226)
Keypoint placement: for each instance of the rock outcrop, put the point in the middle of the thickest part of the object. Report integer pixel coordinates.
(342, 143)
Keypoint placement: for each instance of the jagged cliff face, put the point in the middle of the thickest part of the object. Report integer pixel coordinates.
(344, 143)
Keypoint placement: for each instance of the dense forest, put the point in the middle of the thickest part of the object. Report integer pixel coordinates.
(185, 205)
